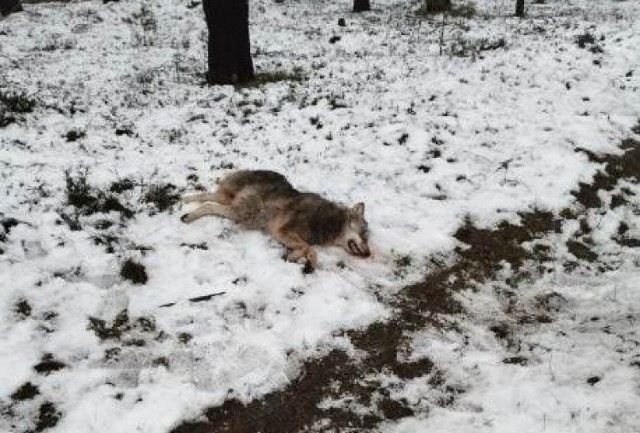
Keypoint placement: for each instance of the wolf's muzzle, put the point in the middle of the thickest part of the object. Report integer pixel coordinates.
(357, 250)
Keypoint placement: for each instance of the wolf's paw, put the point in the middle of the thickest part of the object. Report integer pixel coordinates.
(308, 268)
(186, 218)
(311, 257)
(298, 256)
(293, 256)
(303, 256)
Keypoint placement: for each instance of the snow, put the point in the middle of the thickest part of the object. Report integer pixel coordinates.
(505, 126)
(552, 392)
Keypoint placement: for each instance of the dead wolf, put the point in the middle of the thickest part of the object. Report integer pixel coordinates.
(265, 200)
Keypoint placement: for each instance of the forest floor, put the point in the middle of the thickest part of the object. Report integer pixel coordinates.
(499, 160)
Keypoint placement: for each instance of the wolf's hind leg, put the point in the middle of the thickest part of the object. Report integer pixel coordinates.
(205, 196)
(207, 209)
(222, 195)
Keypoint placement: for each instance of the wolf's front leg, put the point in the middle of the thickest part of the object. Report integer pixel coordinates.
(304, 255)
(300, 250)
(207, 209)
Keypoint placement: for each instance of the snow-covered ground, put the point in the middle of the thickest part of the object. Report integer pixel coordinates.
(487, 128)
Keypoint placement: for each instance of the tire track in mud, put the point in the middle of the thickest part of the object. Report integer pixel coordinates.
(430, 303)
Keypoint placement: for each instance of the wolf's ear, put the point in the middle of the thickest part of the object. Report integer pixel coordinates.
(358, 210)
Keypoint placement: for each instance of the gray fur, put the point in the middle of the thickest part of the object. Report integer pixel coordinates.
(265, 200)
(318, 221)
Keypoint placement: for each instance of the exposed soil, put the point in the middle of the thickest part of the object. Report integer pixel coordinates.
(581, 251)
(162, 196)
(623, 166)
(48, 364)
(88, 200)
(8, 223)
(122, 185)
(429, 303)
(119, 325)
(48, 416)
(26, 392)
(17, 102)
(134, 272)
(22, 308)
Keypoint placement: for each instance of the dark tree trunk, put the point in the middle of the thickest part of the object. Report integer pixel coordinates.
(437, 6)
(361, 5)
(9, 6)
(229, 45)
(520, 8)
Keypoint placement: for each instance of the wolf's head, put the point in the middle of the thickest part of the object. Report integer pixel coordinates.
(355, 235)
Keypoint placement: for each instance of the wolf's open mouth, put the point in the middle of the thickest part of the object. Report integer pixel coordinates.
(355, 250)
(353, 247)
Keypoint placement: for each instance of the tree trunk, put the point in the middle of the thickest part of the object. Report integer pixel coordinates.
(361, 5)
(437, 6)
(229, 45)
(520, 8)
(9, 6)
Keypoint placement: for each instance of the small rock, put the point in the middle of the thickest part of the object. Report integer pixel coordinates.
(593, 380)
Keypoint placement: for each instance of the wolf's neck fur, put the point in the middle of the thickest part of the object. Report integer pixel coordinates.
(318, 220)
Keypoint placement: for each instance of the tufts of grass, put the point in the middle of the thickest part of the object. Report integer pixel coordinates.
(79, 193)
(401, 264)
(589, 40)
(74, 135)
(162, 195)
(184, 337)
(22, 308)
(48, 364)
(134, 272)
(26, 392)
(6, 119)
(72, 221)
(581, 251)
(107, 240)
(430, 7)
(262, 78)
(122, 185)
(110, 203)
(585, 39)
(89, 200)
(17, 102)
(48, 417)
(464, 10)
(12, 103)
(120, 325)
(462, 47)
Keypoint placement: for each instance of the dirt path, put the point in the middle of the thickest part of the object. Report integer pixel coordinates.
(482, 254)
